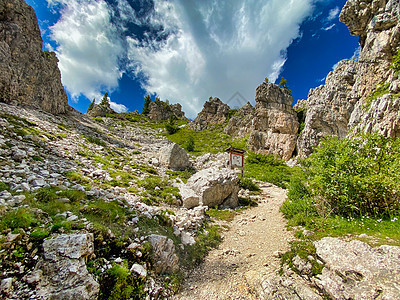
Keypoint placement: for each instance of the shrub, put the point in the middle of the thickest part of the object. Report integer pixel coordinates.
(146, 109)
(189, 145)
(46, 195)
(3, 186)
(357, 176)
(19, 218)
(248, 184)
(39, 234)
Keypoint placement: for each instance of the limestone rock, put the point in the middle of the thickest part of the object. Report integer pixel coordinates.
(100, 110)
(214, 112)
(241, 123)
(189, 198)
(174, 157)
(329, 107)
(162, 111)
(28, 76)
(19, 155)
(354, 270)
(215, 187)
(165, 258)
(275, 124)
(64, 269)
(139, 269)
(340, 107)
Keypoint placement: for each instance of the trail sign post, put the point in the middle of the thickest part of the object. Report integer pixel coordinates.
(236, 158)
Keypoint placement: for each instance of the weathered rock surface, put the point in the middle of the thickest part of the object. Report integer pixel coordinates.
(174, 157)
(275, 124)
(162, 111)
(329, 107)
(28, 76)
(215, 187)
(214, 112)
(63, 269)
(100, 110)
(341, 105)
(165, 258)
(241, 123)
(354, 270)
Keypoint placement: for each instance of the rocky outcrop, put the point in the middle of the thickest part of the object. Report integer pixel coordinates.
(329, 107)
(28, 76)
(62, 274)
(100, 110)
(347, 104)
(211, 187)
(162, 111)
(275, 126)
(353, 270)
(214, 112)
(241, 123)
(174, 157)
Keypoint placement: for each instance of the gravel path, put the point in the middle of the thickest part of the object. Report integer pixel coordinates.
(248, 251)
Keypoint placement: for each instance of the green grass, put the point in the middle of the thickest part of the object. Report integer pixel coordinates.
(19, 218)
(77, 177)
(222, 214)
(159, 189)
(267, 168)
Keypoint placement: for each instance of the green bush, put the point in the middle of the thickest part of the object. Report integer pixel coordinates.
(39, 234)
(189, 145)
(357, 176)
(19, 218)
(171, 128)
(248, 184)
(46, 194)
(3, 186)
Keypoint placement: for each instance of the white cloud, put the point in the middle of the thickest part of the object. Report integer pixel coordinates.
(216, 48)
(329, 27)
(335, 65)
(333, 13)
(88, 47)
(356, 54)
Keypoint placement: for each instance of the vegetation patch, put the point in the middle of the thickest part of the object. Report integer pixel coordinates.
(350, 186)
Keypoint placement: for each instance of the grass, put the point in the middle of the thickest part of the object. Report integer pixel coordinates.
(222, 214)
(159, 190)
(267, 168)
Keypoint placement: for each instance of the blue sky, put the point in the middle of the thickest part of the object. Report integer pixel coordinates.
(187, 50)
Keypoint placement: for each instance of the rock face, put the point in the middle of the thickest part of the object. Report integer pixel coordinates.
(63, 273)
(28, 76)
(345, 104)
(213, 187)
(275, 125)
(214, 112)
(241, 123)
(162, 111)
(354, 270)
(174, 157)
(165, 258)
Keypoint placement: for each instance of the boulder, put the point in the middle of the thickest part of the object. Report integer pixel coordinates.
(174, 157)
(355, 270)
(189, 198)
(215, 187)
(64, 273)
(100, 110)
(28, 76)
(214, 112)
(164, 255)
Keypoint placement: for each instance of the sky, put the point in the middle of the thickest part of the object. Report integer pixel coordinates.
(186, 51)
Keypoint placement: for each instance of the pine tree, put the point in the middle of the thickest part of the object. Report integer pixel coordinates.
(146, 109)
(104, 102)
(91, 105)
(283, 82)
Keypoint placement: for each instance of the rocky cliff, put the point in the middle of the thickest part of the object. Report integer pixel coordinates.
(162, 111)
(359, 96)
(214, 112)
(28, 76)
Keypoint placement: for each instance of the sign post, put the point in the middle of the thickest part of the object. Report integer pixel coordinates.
(236, 158)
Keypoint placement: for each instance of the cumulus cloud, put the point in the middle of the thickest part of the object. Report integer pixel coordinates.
(215, 48)
(88, 48)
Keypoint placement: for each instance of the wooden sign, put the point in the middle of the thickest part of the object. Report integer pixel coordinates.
(236, 157)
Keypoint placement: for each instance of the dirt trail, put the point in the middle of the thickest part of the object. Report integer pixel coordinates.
(248, 251)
